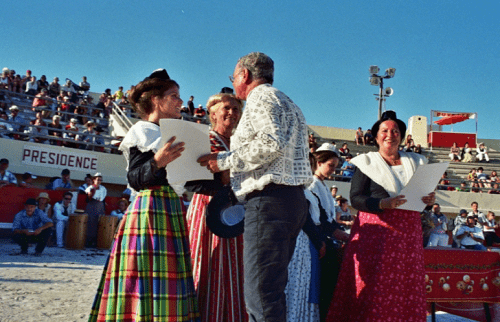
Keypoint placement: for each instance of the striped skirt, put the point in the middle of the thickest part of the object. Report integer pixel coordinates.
(217, 268)
(148, 274)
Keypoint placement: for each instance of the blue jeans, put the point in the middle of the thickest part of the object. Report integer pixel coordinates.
(273, 220)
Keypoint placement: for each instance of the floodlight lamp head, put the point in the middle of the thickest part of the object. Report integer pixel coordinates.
(374, 70)
(375, 80)
(388, 91)
(390, 72)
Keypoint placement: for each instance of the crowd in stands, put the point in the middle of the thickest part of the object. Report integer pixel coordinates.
(65, 114)
(465, 154)
(469, 229)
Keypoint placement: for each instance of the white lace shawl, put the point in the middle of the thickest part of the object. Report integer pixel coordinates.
(374, 166)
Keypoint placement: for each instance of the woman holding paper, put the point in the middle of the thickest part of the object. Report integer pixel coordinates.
(148, 273)
(382, 275)
(217, 262)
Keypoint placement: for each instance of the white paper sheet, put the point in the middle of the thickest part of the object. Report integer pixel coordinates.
(423, 182)
(197, 143)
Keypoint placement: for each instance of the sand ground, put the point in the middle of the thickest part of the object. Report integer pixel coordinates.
(58, 286)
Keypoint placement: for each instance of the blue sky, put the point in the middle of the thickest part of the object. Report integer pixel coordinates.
(445, 52)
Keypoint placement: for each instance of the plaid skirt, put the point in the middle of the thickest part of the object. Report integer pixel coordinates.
(148, 275)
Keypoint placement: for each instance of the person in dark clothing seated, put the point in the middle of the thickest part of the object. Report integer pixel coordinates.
(31, 226)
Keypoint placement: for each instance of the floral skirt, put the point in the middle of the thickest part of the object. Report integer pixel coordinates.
(148, 274)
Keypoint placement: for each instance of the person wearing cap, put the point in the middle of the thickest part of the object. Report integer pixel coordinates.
(216, 260)
(6, 177)
(63, 183)
(27, 180)
(471, 236)
(43, 203)
(269, 168)
(55, 130)
(62, 210)
(96, 193)
(388, 241)
(199, 113)
(31, 226)
(71, 134)
(131, 290)
(88, 136)
(5, 81)
(348, 168)
(333, 191)
(18, 122)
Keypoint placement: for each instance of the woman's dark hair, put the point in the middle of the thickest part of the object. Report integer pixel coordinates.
(388, 115)
(322, 156)
(142, 93)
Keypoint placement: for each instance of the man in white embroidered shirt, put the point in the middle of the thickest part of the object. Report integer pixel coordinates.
(269, 168)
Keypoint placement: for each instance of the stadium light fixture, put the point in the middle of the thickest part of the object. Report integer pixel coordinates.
(377, 80)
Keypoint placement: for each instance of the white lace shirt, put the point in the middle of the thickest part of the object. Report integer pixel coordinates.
(270, 144)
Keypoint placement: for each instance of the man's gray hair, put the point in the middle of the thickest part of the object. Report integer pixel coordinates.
(260, 66)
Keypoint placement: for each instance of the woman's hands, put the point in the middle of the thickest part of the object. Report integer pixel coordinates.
(168, 153)
(395, 202)
(209, 161)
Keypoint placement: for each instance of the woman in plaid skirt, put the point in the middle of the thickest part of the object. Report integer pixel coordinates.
(148, 274)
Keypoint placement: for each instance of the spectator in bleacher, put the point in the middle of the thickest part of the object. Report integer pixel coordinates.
(418, 149)
(87, 136)
(31, 226)
(17, 121)
(471, 236)
(408, 139)
(68, 88)
(31, 86)
(122, 206)
(482, 178)
(472, 175)
(494, 177)
(27, 180)
(104, 97)
(466, 153)
(42, 83)
(64, 107)
(5, 126)
(41, 103)
(344, 150)
(86, 184)
(427, 224)
(312, 140)
(476, 213)
(25, 79)
(71, 135)
(55, 129)
(199, 114)
(494, 190)
(38, 132)
(62, 210)
(463, 187)
(17, 84)
(455, 153)
(63, 183)
(343, 215)
(5, 82)
(96, 194)
(476, 188)
(408, 147)
(359, 138)
(43, 203)
(460, 220)
(80, 112)
(118, 95)
(84, 86)
(438, 236)
(6, 177)
(333, 191)
(191, 105)
(348, 168)
(54, 88)
(482, 153)
(444, 183)
(489, 227)
(368, 137)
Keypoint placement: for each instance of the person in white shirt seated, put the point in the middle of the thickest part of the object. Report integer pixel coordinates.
(62, 210)
(470, 236)
(482, 153)
(122, 206)
(489, 227)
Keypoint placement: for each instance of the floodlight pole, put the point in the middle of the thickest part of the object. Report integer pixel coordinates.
(380, 97)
